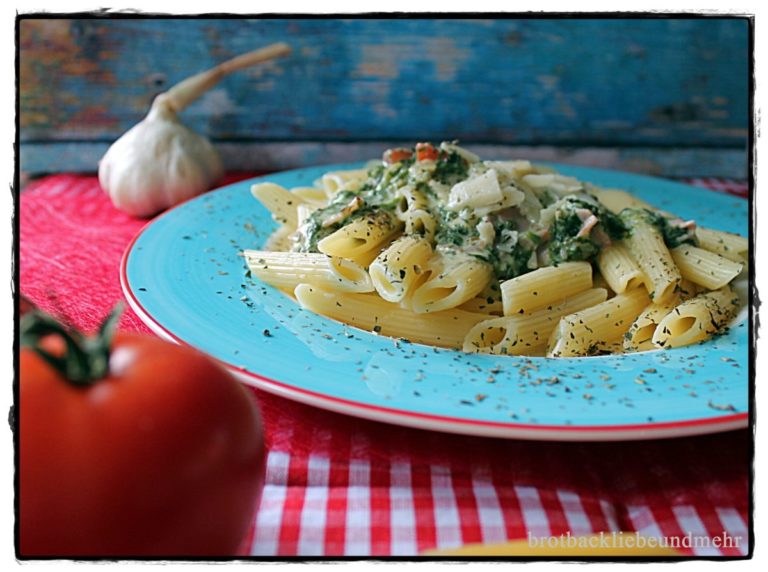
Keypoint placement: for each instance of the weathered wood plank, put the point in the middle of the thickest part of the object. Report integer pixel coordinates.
(37, 158)
(652, 82)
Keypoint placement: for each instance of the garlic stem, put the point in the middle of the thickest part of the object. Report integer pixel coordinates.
(188, 90)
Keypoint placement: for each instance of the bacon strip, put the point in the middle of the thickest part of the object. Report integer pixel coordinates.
(587, 226)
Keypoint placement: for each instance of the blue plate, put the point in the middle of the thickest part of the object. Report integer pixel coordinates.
(184, 276)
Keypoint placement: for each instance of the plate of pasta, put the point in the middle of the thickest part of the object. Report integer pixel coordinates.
(435, 289)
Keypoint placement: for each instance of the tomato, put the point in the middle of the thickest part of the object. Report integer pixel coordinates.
(426, 152)
(162, 455)
(392, 156)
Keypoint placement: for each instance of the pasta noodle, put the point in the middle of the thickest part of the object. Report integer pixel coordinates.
(359, 237)
(731, 246)
(520, 334)
(483, 305)
(444, 329)
(640, 334)
(398, 267)
(279, 201)
(453, 279)
(534, 290)
(616, 200)
(286, 269)
(311, 195)
(639, 337)
(435, 245)
(585, 331)
(413, 210)
(619, 269)
(705, 268)
(337, 181)
(696, 319)
(645, 245)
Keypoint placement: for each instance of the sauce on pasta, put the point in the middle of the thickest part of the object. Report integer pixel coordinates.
(515, 259)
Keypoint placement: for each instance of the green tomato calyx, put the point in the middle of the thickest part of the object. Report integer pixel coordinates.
(85, 359)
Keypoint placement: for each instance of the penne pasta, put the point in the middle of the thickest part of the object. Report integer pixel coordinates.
(303, 212)
(420, 222)
(586, 331)
(452, 280)
(287, 269)
(731, 246)
(369, 312)
(361, 237)
(411, 200)
(639, 337)
(521, 334)
(483, 305)
(501, 257)
(619, 269)
(397, 269)
(645, 245)
(705, 268)
(311, 195)
(279, 201)
(413, 210)
(535, 290)
(337, 181)
(696, 319)
(616, 200)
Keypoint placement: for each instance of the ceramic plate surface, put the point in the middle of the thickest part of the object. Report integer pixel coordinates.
(185, 278)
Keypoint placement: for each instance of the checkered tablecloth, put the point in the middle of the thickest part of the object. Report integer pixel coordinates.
(338, 486)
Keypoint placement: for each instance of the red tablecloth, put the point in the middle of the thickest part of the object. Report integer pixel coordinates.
(337, 485)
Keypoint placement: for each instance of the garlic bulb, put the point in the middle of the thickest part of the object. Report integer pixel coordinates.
(160, 162)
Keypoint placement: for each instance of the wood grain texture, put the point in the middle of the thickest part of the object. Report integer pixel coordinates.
(83, 157)
(626, 82)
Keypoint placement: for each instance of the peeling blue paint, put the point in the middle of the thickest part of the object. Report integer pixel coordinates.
(526, 81)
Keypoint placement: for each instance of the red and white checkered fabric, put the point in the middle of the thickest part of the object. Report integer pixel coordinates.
(342, 487)
(403, 514)
(338, 486)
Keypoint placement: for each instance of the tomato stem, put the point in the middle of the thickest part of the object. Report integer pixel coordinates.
(85, 359)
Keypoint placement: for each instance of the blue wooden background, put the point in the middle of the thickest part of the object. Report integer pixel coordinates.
(660, 95)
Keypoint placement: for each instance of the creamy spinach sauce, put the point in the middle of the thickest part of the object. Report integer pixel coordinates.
(674, 233)
(379, 191)
(518, 245)
(566, 245)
